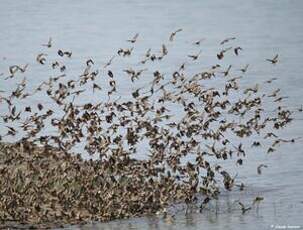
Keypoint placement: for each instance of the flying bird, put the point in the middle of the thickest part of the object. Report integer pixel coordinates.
(134, 39)
(259, 169)
(173, 34)
(236, 50)
(227, 40)
(48, 44)
(195, 56)
(274, 60)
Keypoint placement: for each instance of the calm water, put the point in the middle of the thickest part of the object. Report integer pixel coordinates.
(96, 29)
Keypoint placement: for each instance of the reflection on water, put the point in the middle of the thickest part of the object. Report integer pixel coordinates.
(97, 28)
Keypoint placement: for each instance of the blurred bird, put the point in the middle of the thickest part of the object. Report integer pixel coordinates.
(49, 43)
(173, 34)
(227, 40)
(134, 39)
(259, 168)
(274, 60)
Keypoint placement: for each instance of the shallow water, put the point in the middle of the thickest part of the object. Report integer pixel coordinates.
(263, 28)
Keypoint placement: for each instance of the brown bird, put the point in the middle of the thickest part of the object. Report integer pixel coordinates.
(243, 208)
(195, 56)
(271, 80)
(48, 44)
(173, 34)
(226, 72)
(95, 86)
(259, 168)
(109, 62)
(236, 50)
(134, 39)
(227, 40)
(257, 200)
(274, 60)
(41, 59)
(89, 62)
(243, 70)
(199, 41)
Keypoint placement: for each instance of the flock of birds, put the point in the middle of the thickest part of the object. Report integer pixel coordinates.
(180, 149)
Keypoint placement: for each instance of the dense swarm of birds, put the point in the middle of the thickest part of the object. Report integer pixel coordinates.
(42, 181)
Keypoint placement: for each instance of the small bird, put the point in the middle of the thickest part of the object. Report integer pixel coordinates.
(244, 70)
(134, 39)
(95, 86)
(243, 208)
(259, 168)
(226, 72)
(55, 64)
(89, 62)
(227, 40)
(60, 53)
(257, 200)
(236, 50)
(195, 56)
(173, 34)
(199, 41)
(68, 54)
(164, 50)
(279, 99)
(271, 80)
(41, 59)
(49, 43)
(109, 62)
(274, 60)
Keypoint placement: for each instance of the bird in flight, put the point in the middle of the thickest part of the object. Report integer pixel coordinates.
(274, 60)
(259, 169)
(227, 40)
(134, 39)
(109, 62)
(236, 50)
(173, 34)
(49, 43)
(244, 69)
(243, 208)
(198, 42)
(195, 56)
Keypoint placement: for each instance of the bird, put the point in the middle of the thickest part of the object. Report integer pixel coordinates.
(67, 53)
(244, 70)
(49, 43)
(199, 41)
(271, 80)
(109, 62)
(259, 168)
(194, 56)
(274, 60)
(257, 200)
(236, 50)
(226, 72)
(134, 39)
(89, 62)
(243, 208)
(41, 58)
(227, 40)
(173, 34)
